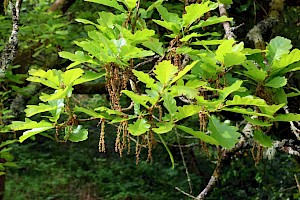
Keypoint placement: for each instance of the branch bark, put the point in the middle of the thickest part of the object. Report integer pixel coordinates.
(256, 33)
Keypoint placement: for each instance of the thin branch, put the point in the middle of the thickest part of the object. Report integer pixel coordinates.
(185, 193)
(226, 25)
(147, 61)
(89, 67)
(298, 185)
(184, 163)
(294, 129)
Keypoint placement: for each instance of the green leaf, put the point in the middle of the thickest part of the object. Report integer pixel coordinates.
(286, 59)
(78, 56)
(287, 117)
(210, 21)
(163, 127)
(202, 136)
(226, 2)
(92, 113)
(58, 94)
(257, 75)
(109, 111)
(257, 122)
(168, 150)
(130, 4)
(59, 105)
(187, 111)
(246, 111)
(29, 124)
(139, 127)
(110, 3)
(228, 90)
(169, 103)
(194, 12)
(224, 48)
(231, 59)
(33, 132)
(137, 98)
(174, 27)
(76, 134)
(277, 82)
(262, 138)
(278, 47)
(155, 45)
(154, 5)
(35, 109)
(88, 76)
(51, 78)
(226, 135)
(71, 75)
(165, 71)
(145, 78)
(248, 100)
(270, 109)
(208, 42)
(167, 16)
(7, 142)
(184, 71)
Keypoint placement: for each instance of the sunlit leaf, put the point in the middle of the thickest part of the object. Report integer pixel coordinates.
(228, 90)
(32, 132)
(139, 127)
(35, 109)
(210, 21)
(194, 12)
(163, 127)
(184, 71)
(165, 71)
(257, 122)
(145, 78)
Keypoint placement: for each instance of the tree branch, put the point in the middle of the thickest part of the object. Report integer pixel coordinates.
(10, 50)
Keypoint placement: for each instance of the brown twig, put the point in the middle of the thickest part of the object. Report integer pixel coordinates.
(226, 25)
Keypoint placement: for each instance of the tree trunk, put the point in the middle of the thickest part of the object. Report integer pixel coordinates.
(62, 5)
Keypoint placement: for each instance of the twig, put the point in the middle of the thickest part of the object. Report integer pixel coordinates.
(184, 163)
(294, 129)
(89, 67)
(146, 61)
(185, 193)
(298, 185)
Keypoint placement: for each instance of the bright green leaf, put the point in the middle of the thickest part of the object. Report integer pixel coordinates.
(184, 71)
(139, 127)
(33, 132)
(163, 127)
(145, 78)
(88, 76)
(194, 12)
(35, 109)
(228, 90)
(165, 71)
